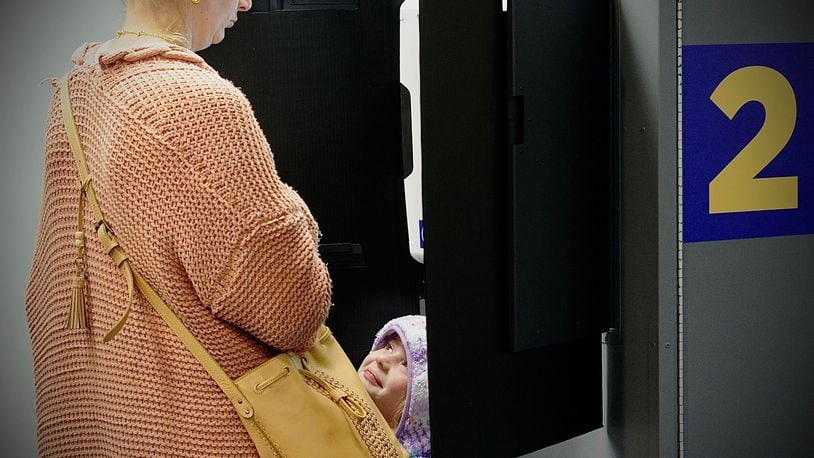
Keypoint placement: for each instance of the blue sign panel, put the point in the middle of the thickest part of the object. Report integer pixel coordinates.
(421, 233)
(748, 141)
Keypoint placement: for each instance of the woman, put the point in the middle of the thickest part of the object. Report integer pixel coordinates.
(187, 183)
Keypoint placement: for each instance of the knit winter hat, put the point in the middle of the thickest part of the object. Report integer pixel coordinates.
(413, 430)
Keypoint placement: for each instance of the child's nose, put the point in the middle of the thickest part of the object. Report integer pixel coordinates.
(386, 361)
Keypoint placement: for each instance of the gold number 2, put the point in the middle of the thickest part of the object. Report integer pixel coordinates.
(736, 189)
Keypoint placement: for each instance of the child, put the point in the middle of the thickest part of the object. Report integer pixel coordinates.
(395, 376)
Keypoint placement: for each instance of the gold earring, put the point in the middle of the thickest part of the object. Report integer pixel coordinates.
(195, 2)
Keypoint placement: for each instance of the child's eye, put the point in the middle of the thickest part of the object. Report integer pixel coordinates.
(389, 347)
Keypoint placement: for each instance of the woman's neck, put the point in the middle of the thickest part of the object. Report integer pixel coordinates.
(140, 28)
(127, 41)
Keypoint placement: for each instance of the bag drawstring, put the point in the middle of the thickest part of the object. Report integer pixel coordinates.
(342, 399)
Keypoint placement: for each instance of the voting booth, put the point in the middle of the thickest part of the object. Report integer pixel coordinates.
(459, 158)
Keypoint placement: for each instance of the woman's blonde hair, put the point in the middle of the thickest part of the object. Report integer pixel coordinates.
(168, 15)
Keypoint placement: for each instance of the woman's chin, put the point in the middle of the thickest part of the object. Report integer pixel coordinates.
(212, 41)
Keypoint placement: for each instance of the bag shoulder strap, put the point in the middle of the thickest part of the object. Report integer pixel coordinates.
(78, 153)
(207, 361)
(134, 278)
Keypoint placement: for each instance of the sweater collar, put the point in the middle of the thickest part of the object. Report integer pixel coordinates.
(95, 52)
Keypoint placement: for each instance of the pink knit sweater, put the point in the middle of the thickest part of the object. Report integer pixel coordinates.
(187, 181)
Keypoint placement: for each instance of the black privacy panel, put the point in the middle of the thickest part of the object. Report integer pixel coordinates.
(561, 169)
(491, 397)
(322, 77)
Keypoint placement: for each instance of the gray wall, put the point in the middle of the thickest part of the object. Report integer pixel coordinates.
(37, 42)
(749, 304)
(643, 368)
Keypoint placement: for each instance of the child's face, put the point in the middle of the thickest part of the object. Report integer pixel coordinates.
(384, 375)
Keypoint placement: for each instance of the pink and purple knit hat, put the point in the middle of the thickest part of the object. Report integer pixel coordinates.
(413, 430)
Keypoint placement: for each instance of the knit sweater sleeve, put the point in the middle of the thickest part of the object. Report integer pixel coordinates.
(246, 240)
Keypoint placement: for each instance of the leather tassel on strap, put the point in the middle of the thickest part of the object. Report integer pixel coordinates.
(76, 314)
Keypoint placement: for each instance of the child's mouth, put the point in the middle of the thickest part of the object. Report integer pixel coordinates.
(371, 377)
